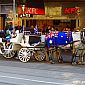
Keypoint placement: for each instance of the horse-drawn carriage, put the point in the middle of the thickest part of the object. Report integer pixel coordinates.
(24, 44)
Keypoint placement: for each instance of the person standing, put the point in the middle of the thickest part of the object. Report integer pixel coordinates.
(36, 29)
(48, 29)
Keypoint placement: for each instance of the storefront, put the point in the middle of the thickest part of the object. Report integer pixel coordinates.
(59, 14)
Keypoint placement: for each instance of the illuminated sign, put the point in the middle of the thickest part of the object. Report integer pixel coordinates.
(75, 10)
(22, 9)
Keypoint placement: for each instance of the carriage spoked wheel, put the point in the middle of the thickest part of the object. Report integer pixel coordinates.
(40, 55)
(8, 53)
(24, 54)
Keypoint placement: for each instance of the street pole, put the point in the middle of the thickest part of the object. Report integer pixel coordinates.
(14, 14)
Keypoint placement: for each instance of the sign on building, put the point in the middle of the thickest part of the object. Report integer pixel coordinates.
(5, 9)
(54, 11)
(75, 10)
(23, 10)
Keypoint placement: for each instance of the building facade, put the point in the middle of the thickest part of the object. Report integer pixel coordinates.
(59, 14)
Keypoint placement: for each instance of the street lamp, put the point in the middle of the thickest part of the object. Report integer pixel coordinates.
(14, 14)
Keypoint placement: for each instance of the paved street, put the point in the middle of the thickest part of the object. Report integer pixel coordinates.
(14, 72)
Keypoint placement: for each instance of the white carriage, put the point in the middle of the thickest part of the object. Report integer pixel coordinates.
(25, 45)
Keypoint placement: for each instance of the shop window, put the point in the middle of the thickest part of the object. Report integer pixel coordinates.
(73, 24)
(56, 22)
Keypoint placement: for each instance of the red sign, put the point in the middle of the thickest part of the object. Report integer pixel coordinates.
(25, 10)
(72, 10)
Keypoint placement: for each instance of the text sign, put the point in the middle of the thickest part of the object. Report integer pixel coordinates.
(72, 10)
(27, 10)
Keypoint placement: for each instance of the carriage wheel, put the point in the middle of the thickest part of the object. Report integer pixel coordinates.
(8, 53)
(40, 55)
(24, 55)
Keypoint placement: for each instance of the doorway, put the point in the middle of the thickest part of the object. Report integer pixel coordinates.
(2, 21)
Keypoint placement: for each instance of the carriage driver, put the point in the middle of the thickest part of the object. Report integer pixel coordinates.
(9, 35)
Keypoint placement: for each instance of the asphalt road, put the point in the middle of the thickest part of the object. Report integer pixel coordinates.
(14, 72)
